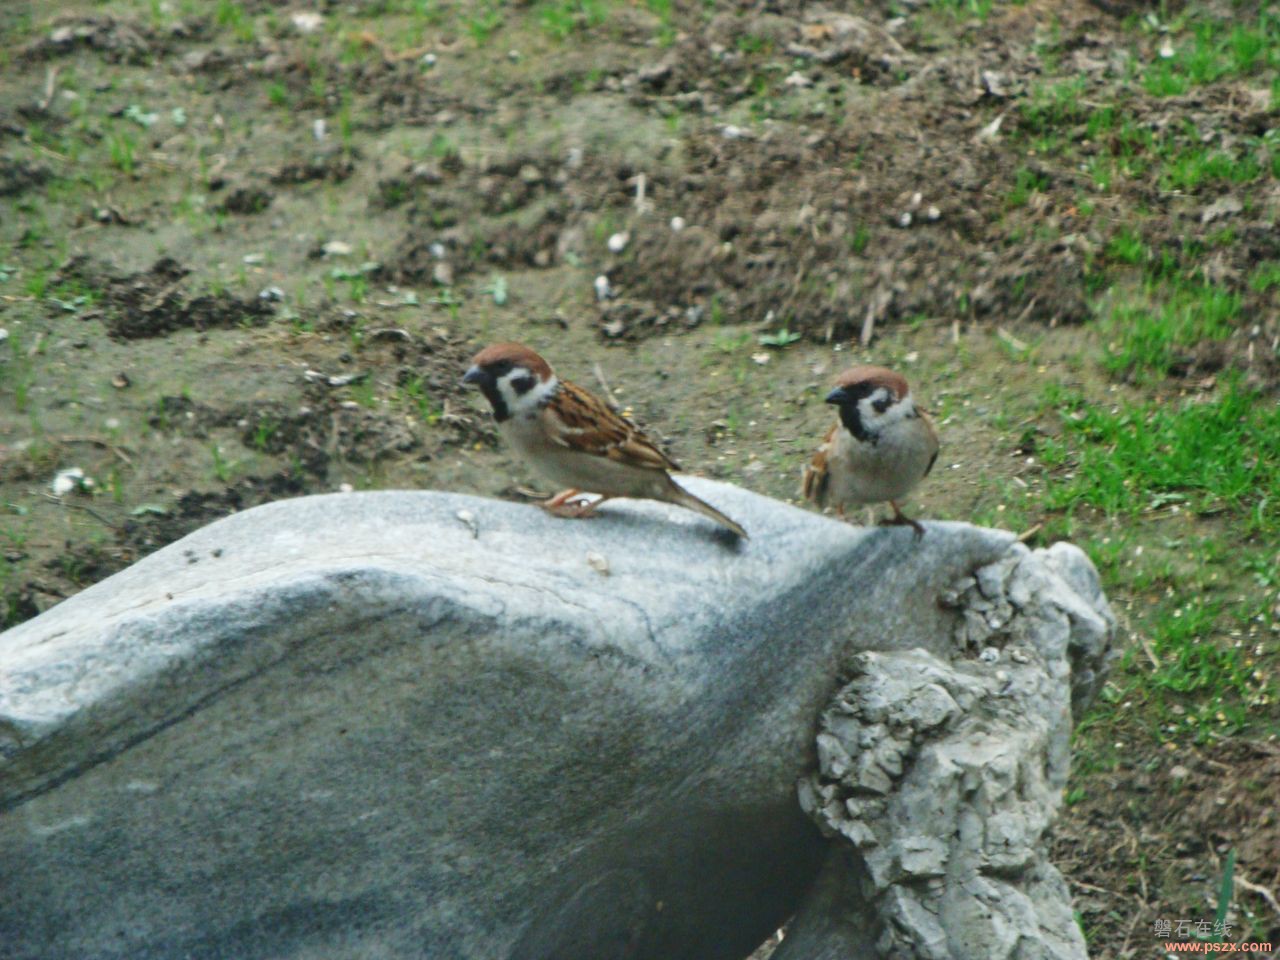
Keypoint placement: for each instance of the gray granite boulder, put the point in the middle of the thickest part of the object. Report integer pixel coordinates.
(429, 725)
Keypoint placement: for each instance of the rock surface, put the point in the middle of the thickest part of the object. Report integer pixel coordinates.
(423, 724)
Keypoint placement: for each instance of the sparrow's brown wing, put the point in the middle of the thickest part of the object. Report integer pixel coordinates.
(933, 437)
(816, 474)
(579, 420)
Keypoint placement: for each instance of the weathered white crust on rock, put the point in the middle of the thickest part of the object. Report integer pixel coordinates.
(940, 775)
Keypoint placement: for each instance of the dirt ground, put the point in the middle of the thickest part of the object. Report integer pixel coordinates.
(247, 248)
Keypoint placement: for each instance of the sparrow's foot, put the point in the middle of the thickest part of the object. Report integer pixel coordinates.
(899, 519)
(560, 504)
(572, 503)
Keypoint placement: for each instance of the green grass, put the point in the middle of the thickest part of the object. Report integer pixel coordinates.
(1265, 276)
(123, 149)
(967, 9)
(1051, 107)
(17, 375)
(1209, 50)
(417, 393)
(859, 239)
(1127, 246)
(1191, 586)
(481, 25)
(229, 14)
(1026, 183)
(1150, 335)
(1201, 686)
(1216, 454)
(662, 9)
(1192, 167)
(562, 18)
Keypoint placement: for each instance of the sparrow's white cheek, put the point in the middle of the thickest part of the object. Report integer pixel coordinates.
(508, 393)
(876, 420)
(541, 393)
(532, 398)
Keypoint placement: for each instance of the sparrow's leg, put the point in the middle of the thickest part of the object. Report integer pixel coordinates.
(899, 519)
(559, 504)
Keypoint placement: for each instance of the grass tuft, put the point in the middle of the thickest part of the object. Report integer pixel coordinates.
(1151, 337)
(1222, 453)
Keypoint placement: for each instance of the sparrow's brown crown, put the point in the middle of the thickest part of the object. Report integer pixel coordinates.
(516, 354)
(873, 377)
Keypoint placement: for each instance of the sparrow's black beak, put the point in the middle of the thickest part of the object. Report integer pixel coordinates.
(476, 375)
(838, 396)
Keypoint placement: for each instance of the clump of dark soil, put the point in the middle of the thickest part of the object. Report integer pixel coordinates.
(119, 41)
(332, 167)
(19, 175)
(246, 200)
(153, 302)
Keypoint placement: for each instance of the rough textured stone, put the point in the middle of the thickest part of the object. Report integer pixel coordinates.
(941, 772)
(421, 724)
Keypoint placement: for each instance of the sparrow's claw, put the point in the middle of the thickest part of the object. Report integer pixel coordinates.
(586, 507)
(571, 504)
(899, 519)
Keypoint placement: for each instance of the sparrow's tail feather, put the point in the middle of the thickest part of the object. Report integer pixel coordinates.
(684, 498)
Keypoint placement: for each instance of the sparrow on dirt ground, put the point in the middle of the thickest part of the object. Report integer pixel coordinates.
(881, 446)
(573, 438)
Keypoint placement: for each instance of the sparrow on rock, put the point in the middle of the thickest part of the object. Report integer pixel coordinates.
(572, 437)
(881, 446)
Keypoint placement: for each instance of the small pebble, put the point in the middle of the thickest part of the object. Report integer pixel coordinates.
(618, 242)
(65, 481)
(306, 21)
(677, 224)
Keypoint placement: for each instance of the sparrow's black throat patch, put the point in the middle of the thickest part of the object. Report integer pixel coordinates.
(851, 417)
(489, 387)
